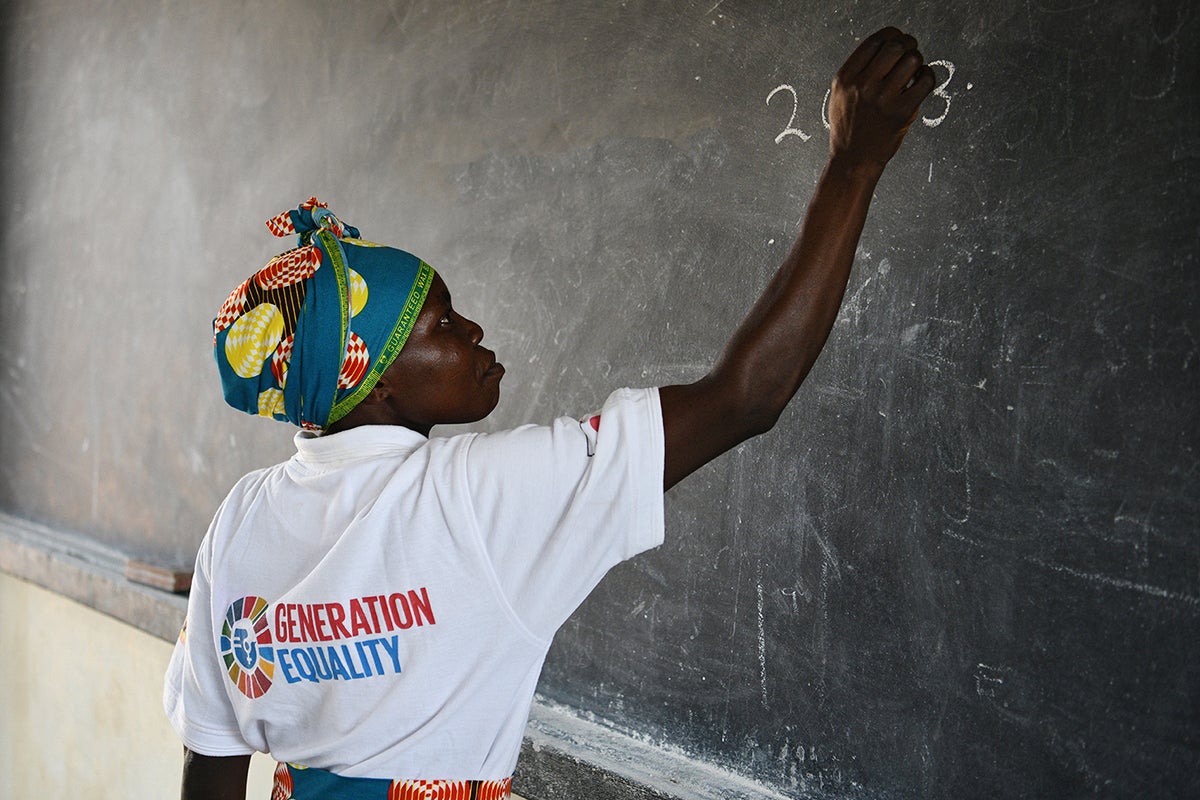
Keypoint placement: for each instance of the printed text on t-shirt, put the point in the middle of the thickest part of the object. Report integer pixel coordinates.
(375, 614)
(371, 616)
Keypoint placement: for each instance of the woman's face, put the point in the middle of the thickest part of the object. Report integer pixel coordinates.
(442, 376)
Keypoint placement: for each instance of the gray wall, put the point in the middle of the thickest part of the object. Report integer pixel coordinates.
(965, 563)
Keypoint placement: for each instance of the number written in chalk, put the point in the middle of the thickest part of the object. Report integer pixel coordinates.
(791, 130)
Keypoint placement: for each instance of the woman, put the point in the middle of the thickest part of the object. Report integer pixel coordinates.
(375, 611)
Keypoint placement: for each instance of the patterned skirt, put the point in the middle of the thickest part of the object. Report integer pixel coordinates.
(294, 782)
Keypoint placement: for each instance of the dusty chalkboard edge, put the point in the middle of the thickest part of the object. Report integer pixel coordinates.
(618, 766)
(563, 755)
(88, 572)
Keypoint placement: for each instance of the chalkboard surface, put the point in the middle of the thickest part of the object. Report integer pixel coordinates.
(965, 563)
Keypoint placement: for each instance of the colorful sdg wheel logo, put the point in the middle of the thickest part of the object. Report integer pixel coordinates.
(246, 646)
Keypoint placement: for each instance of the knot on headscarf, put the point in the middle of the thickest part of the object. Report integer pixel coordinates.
(306, 338)
(310, 216)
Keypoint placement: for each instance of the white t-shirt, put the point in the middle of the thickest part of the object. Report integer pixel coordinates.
(380, 605)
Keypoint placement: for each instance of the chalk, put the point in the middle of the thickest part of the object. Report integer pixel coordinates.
(171, 580)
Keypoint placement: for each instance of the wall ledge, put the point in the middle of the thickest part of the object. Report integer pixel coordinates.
(563, 757)
(566, 757)
(88, 572)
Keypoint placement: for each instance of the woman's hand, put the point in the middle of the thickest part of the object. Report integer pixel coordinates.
(875, 97)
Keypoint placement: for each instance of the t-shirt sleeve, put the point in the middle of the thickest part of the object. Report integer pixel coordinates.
(557, 506)
(194, 695)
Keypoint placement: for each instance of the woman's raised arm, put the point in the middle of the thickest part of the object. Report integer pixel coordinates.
(874, 99)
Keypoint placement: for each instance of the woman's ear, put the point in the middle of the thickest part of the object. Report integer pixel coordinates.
(370, 410)
(381, 391)
(387, 386)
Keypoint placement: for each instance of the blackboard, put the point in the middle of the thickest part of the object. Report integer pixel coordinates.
(964, 564)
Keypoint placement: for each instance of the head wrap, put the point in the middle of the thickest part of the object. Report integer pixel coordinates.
(306, 338)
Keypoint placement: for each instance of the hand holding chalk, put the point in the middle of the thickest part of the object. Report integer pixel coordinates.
(875, 97)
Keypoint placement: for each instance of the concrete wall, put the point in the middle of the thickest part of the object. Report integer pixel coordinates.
(81, 695)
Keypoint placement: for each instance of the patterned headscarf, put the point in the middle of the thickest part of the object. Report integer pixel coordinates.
(304, 339)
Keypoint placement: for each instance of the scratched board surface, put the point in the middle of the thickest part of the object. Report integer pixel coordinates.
(964, 564)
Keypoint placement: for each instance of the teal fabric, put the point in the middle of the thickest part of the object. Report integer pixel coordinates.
(305, 338)
(318, 784)
(308, 783)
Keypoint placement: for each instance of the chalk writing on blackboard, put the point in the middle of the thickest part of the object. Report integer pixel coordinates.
(940, 92)
(790, 129)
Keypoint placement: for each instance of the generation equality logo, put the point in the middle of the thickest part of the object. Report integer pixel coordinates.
(362, 631)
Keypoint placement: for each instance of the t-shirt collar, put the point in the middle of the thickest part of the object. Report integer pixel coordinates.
(365, 441)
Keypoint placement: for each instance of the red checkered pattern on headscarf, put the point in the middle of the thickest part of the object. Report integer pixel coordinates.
(290, 267)
(281, 224)
(355, 363)
(231, 309)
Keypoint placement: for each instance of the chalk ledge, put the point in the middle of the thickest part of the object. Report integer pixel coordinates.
(563, 755)
(88, 572)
